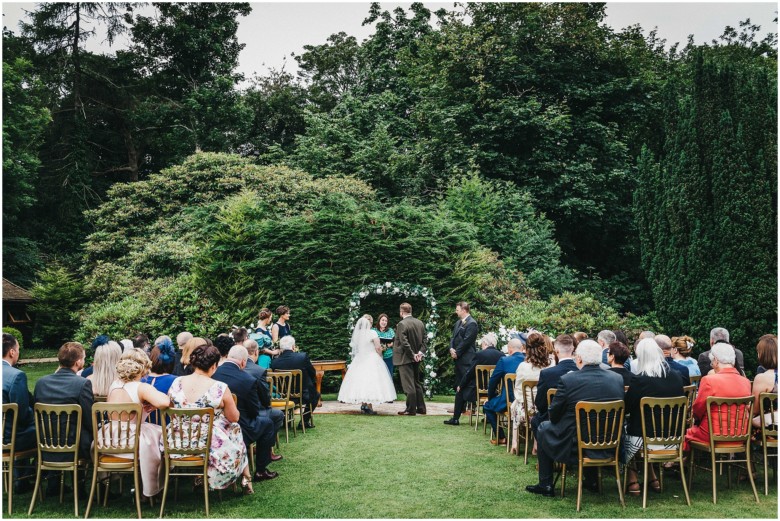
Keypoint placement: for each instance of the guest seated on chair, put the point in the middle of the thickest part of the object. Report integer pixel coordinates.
(536, 359)
(65, 387)
(617, 354)
(725, 382)
(288, 359)
(15, 391)
(163, 359)
(497, 401)
(654, 380)
(255, 427)
(107, 354)
(466, 390)
(275, 415)
(765, 382)
(549, 377)
(557, 436)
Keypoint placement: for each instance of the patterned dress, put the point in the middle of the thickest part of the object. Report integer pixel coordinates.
(227, 457)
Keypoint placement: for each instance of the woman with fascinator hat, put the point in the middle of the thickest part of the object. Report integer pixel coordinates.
(367, 381)
(163, 358)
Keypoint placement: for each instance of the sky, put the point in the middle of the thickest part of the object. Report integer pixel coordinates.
(275, 30)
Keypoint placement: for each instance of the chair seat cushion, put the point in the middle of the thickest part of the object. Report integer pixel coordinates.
(107, 458)
(282, 404)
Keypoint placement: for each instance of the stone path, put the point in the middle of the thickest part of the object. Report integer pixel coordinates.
(386, 409)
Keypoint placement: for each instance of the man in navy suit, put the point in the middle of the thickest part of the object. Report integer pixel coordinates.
(275, 415)
(497, 401)
(288, 359)
(557, 437)
(15, 391)
(255, 428)
(548, 378)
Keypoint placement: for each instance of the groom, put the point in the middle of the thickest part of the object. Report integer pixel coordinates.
(408, 350)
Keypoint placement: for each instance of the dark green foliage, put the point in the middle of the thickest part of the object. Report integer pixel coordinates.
(706, 202)
(58, 295)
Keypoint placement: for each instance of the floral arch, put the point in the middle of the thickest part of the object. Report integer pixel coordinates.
(431, 381)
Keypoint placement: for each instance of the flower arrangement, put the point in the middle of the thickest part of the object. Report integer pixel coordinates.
(431, 381)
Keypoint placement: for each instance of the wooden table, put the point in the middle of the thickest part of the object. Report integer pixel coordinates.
(327, 365)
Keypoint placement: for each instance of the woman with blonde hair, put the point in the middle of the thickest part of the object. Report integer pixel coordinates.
(104, 366)
(765, 382)
(186, 351)
(681, 351)
(132, 366)
(536, 359)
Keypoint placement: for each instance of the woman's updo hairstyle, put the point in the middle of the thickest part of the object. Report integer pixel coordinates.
(204, 357)
(536, 350)
(684, 344)
(264, 313)
(132, 364)
(163, 356)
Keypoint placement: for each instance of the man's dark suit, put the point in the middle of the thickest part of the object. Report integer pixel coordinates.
(548, 379)
(15, 391)
(497, 401)
(410, 337)
(275, 415)
(557, 437)
(65, 387)
(290, 360)
(254, 426)
(464, 336)
(468, 384)
(705, 365)
(680, 368)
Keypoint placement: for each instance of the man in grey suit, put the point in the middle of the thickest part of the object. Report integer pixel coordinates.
(464, 338)
(65, 387)
(719, 334)
(557, 437)
(408, 350)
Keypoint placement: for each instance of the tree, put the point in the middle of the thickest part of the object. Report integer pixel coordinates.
(706, 202)
(24, 120)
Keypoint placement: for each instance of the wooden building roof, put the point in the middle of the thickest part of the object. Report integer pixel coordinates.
(13, 293)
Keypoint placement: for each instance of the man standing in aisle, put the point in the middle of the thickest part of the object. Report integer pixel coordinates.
(464, 336)
(408, 351)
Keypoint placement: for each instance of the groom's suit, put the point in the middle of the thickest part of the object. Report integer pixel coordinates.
(410, 337)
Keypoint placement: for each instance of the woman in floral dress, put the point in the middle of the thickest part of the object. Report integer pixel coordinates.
(227, 457)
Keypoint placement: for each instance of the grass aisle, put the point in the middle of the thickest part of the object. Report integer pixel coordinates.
(353, 466)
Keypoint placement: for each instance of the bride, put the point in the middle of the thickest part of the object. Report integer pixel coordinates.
(367, 381)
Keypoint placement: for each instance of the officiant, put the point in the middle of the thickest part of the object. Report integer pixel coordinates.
(462, 345)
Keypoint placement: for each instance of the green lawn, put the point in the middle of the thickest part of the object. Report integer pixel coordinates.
(354, 466)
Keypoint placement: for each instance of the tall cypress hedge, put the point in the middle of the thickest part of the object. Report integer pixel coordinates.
(706, 202)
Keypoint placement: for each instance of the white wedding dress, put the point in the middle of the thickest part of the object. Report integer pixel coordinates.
(367, 379)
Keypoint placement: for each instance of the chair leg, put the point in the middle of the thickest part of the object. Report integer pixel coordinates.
(619, 486)
(579, 487)
(91, 492)
(8, 480)
(684, 484)
(508, 433)
(563, 479)
(137, 489)
(714, 479)
(75, 491)
(165, 486)
(646, 480)
(750, 472)
(206, 489)
(35, 490)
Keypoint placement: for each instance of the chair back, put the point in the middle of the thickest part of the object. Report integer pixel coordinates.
(235, 399)
(154, 417)
(58, 429)
(187, 431)
(482, 374)
(730, 419)
(296, 386)
(281, 385)
(115, 428)
(695, 379)
(529, 388)
(100, 398)
(690, 394)
(599, 426)
(767, 403)
(10, 413)
(664, 420)
(550, 393)
(509, 385)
